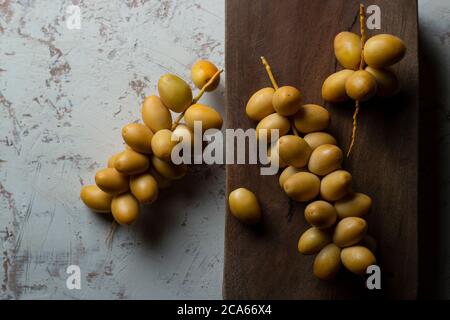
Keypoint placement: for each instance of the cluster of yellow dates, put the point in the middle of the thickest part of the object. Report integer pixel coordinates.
(135, 175)
(379, 53)
(312, 171)
(366, 70)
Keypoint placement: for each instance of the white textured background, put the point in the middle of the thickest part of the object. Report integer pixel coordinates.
(64, 96)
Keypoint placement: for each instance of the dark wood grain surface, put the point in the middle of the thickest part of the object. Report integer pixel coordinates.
(262, 262)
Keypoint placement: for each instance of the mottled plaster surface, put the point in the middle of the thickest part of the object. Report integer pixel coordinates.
(64, 97)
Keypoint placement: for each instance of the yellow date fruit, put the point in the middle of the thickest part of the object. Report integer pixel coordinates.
(111, 181)
(209, 117)
(383, 50)
(174, 92)
(302, 186)
(313, 240)
(168, 169)
(335, 185)
(387, 82)
(260, 104)
(244, 206)
(354, 204)
(287, 100)
(138, 137)
(96, 199)
(203, 71)
(144, 187)
(162, 144)
(320, 214)
(361, 86)
(325, 159)
(294, 151)
(287, 173)
(311, 117)
(347, 49)
(315, 139)
(155, 114)
(333, 88)
(272, 122)
(327, 262)
(131, 162)
(357, 259)
(112, 159)
(349, 231)
(125, 208)
(274, 156)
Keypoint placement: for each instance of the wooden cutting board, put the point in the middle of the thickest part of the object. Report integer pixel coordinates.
(296, 37)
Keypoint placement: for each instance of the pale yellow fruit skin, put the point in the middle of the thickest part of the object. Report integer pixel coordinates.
(311, 117)
(125, 208)
(333, 88)
(138, 137)
(111, 181)
(313, 240)
(131, 162)
(320, 214)
(209, 117)
(335, 185)
(273, 121)
(316, 139)
(357, 258)
(347, 49)
(361, 86)
(273, 153)
(327, 262)
(383, 50)
(353, 205)
(387, 82)
(260, 105)
(244, 206)
(325, 159)
(162, 144)
(155, 114)
(144, 187)
(112, 159)
(168, 169)
(96, 199)
(349, 231)
(174, 92)
(201, 72)
(287, 173)
(163, 182)
(302, 186)
(294, 151)
(287, 100)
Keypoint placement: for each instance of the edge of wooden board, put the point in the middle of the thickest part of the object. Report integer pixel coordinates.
(409, 291)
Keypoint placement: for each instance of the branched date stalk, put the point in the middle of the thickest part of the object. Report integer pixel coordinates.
(362, 29)
(196, 98)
